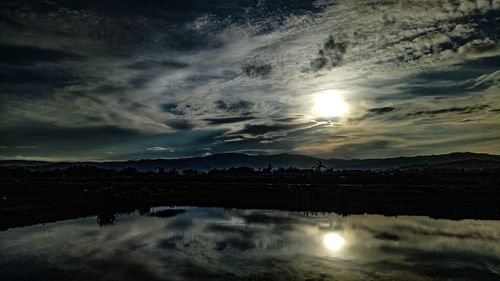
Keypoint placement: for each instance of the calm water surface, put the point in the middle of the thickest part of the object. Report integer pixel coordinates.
(218, 244)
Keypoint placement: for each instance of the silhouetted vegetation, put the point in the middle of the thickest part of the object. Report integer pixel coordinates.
(317, 174)
(34, 196)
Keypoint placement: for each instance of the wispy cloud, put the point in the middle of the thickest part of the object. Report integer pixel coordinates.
(228, 68)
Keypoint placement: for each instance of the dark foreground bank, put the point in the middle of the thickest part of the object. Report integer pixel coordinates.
(28, 199)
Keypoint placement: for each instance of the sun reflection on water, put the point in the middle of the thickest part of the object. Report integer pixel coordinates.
(333, 241)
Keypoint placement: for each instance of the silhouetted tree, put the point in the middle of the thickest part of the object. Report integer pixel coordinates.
(318, 166)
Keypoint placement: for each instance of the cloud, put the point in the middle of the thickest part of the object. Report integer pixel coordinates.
(228, 120)
(253, 71)
(170, 68)
(161, 149)
(17, 78)
(171, 242)
(268, 242)
(479, 48)
(331, 55)
(263, 129)
(460, 110)
(387, 236)
(172, 108)
(180, 124)
(230, 229)
(381, 110)
(237, 106)
(181, 224)
(238, 243)
(64, 143)
(27, 55)
(149, 64)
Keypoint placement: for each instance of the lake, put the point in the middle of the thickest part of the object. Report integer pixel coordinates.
(192, 243)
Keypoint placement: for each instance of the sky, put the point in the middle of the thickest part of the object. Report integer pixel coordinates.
(223, 244)
(114, 80)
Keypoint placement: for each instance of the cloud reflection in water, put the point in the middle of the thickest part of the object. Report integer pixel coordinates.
(207, 243)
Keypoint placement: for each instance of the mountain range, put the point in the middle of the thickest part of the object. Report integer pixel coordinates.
(459, 160)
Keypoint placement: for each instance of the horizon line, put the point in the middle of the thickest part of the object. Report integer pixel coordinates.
(39, 159)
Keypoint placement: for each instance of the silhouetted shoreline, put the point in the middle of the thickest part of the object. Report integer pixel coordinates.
(30, 197)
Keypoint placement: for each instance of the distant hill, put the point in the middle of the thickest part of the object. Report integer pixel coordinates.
(23, 163)
(434, 161)
(463, 160)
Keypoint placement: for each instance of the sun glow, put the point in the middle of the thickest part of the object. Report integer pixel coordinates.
(329, 103)
(333, 241)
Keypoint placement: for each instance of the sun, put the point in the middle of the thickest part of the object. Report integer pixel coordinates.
(329, 103)
(333, 241)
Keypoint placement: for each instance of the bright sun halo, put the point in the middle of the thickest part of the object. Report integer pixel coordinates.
(333, 241)
(329, 103)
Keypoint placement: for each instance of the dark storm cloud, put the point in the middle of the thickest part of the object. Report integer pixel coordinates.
(144, 20)
(26, 55)
(381, 110)
(35, 76)
(139, 81)
(148, 64)
(180, 124)
(47, 134)
(331, 55)
(460, 80)
(111, 88)
(220, 104)
(228, 120)
(387, 236)
(172, 108)
(262, 129)
(273, 137)
(186, 11)
(253, 71)
(239, 106)
(59, 141)
(460, 110)
(376, 112)
(189, 40)
(287, 119)
(465, 71)
(29, 70)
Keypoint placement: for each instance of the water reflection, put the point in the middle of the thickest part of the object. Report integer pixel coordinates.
(207, 243)
(333, 241)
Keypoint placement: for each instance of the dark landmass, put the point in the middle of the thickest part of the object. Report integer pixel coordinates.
(30, 196)
(228, 160)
